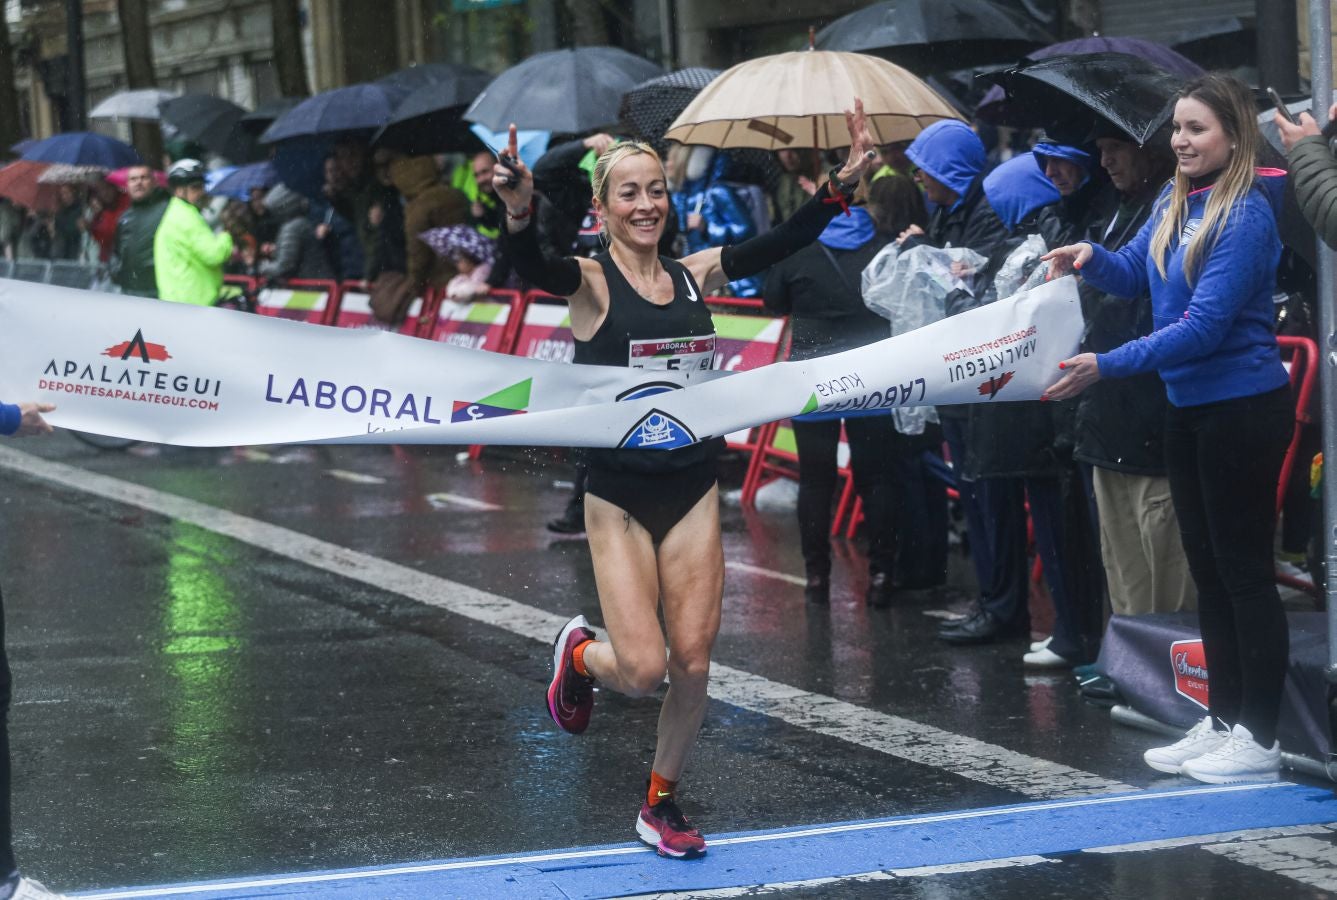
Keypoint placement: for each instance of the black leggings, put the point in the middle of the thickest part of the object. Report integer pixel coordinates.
(874, 442)
(1224, 461)
(7, 864)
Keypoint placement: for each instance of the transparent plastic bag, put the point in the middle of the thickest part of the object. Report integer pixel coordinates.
(909, 289)
(1020, 266)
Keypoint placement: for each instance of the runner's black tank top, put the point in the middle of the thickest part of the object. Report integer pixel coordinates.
(636, 333)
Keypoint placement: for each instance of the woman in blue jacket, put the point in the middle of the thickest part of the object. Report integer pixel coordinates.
(1209, 254)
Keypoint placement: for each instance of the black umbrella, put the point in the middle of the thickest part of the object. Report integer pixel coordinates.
(936, 35)
(356, 108)
(563, 91)
(264, 115)
(1217, 44)
(1069, 95)
(211, 122)
(650, 108)
(429, 119)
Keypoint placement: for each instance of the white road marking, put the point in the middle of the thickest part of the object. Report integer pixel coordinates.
(765, 573)
(780, 887)
(632, 849)
(896, 736)
(1304, 859)
(1247, 834)
(354, 477)
(443, 499)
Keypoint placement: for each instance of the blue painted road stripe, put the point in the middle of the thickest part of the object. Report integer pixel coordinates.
(801, 854)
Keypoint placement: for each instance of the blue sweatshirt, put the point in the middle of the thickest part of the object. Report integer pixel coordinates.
(10, 418)
(1212, 340)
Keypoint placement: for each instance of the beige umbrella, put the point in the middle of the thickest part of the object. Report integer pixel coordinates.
(798, 100)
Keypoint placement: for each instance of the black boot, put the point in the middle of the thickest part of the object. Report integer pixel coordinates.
(879, 591)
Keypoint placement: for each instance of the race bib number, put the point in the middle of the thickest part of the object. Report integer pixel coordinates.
(687, 354)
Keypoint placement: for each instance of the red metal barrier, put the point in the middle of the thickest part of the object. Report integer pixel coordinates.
(491, 323)
(1304, 367)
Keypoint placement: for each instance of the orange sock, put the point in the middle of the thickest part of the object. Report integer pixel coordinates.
(578, 658)
(660, 788)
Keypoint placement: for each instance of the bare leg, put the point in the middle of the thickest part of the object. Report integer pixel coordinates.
(632, 659)
(691, 566)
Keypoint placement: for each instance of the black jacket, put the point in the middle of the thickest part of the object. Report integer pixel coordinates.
(826, 304)
(134, 244)
(1121, 421)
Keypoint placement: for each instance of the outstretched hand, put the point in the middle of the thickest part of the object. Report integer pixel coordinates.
(862, 149)
(32, 421)
(1080, 372)
(513, 181)
(1064, 260)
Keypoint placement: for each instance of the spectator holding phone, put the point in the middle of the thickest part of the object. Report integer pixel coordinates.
(1313, 171)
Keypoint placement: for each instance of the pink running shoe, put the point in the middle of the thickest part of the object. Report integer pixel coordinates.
(570, 695)
(664, 827)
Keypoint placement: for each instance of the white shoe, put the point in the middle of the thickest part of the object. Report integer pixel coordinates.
(34, 890)
(1037, 646)
(1238, 758)
(1044, 658)
(1201, 739)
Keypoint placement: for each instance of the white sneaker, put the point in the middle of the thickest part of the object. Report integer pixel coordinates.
(1037, 646)
(34, 890)
(1238, 758)
(1044, 658)
(1201, 739)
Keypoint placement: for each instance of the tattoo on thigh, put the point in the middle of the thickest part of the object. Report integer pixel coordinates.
(626, 522)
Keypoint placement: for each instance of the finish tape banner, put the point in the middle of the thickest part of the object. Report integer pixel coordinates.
(175, 374)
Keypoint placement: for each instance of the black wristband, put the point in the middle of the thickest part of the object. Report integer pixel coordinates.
(845, 187)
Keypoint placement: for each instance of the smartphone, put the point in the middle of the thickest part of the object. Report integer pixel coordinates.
(1281, 106)
(507, 162)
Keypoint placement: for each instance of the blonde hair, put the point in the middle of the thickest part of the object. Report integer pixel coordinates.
(611, 157)
(1231, 103)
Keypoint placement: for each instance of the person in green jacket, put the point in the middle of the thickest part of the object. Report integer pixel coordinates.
(1313, 172)
(188, 256)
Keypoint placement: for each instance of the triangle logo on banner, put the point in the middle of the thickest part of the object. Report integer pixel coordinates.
(505, 402)
(810, 406)
(659, 431)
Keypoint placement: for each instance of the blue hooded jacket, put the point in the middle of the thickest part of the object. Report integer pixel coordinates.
(1213, 339)
(727, 219)
(849, 232)
(951, 153)
(10, 418)
(1044, 151)
(1017, 188)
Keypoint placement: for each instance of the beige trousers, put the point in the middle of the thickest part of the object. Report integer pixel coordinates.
(1145, 566)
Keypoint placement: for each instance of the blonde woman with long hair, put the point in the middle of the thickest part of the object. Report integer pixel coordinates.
(1209, 255)
(652, 516)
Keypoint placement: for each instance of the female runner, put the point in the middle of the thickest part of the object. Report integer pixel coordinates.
(652, 516)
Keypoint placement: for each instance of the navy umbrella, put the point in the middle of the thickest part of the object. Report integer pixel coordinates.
(83, 148)
(429, 119)
(238, 184)
(563, 91)
(993, 107)
(358, 107)
(211, 122)
(935, 35)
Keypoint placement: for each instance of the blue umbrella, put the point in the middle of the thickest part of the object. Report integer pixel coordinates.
(530, 144)
(83, 148)
(238, 183)
(300, 163)
(22, 145)
(359, 107)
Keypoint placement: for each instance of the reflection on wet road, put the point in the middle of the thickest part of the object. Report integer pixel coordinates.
(234, 666)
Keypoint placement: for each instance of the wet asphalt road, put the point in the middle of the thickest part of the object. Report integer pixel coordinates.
(189, 706)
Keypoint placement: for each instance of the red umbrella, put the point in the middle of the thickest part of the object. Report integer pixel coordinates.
(18, 182)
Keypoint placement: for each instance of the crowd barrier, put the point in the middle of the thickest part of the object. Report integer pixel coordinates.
(60, 272)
